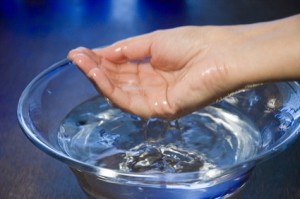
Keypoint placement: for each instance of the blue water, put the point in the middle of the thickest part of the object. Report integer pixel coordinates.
(209, 138)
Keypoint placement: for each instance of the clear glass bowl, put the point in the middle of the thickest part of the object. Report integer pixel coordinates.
(273, 109)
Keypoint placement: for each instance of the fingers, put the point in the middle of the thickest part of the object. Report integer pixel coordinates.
(106, 86)
(102, 82)
(102, 73)
(85, 59)
(137, 48)
(83, 50)
(89, 63)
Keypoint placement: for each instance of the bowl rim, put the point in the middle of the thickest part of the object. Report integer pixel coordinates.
(31, 132)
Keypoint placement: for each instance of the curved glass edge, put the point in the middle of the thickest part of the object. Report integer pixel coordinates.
(119, 175)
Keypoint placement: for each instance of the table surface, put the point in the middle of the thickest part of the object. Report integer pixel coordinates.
(36, 33)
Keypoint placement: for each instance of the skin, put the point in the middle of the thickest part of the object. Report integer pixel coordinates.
(170, 73)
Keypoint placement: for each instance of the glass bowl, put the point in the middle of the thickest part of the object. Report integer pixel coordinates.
(273, 110)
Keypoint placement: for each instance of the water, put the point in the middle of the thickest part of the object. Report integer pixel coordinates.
(210, 138)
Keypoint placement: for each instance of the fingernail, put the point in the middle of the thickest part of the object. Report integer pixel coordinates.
(77, 59)
(93, 73)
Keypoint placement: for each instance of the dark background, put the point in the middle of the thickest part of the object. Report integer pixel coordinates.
(37, 33)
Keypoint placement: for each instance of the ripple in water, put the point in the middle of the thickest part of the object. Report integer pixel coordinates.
(209, 138)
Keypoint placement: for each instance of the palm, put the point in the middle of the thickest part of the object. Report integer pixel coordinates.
(172, 83)
(139, 87)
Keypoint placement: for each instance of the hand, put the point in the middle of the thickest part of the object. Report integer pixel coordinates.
(170, 73)
(163, 74)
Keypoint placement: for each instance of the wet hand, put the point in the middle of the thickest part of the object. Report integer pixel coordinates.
(164, 74)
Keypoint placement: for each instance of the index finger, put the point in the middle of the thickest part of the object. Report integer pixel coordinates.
(136, 48)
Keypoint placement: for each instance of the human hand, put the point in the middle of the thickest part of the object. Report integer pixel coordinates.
(163, 74)
(170, 73)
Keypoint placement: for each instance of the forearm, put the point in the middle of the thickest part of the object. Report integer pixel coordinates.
(271, 51)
